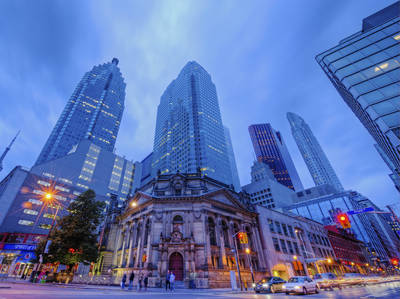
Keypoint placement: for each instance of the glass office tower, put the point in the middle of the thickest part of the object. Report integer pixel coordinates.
(313, 155)
(364, 68)
(189, 132)
(232, 160)
(93, 112)
(270, 149)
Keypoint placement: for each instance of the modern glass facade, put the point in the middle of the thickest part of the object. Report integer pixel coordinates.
(365, 69)
(189, 132)
(270, 148)
(364, 225)
(232, 160)
(318, 164)
(93, 112)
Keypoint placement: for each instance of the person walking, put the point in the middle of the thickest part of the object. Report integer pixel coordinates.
(146, 282)
(172, 281)
(140, 282)
(131, 278)
(123, 281)
(167, 283)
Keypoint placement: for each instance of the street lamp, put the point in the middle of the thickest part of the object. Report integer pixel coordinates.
(48, 198)
(247, 250)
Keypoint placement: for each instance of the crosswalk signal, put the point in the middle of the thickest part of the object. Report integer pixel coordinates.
(243, 238)
(343, 220)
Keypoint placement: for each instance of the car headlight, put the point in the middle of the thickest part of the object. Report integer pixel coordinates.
(265, 285)
(297, 287)
(283, 287)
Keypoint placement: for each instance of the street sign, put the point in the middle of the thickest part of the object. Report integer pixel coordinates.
(365, 210)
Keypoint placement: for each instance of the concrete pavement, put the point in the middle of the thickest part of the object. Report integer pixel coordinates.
(32, 291)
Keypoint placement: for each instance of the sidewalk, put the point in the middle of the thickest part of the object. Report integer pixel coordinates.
(116, 288)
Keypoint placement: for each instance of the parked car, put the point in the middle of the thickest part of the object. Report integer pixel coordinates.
(271, 284)
(300, 285)
(327, 281)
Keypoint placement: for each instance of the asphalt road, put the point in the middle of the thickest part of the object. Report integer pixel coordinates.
(16, 290)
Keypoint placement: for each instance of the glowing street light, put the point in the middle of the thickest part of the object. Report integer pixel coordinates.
(48, 196)
(133, 204)
(329, 260)
(295, 257)
(247, 250)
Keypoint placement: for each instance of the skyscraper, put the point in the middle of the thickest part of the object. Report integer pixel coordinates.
(189, 131)
(93, 112)
(232, 160)
(313, 155)
(270, 149)
(365, 70)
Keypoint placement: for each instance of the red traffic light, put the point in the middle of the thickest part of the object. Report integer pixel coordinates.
(394, 261)
(343, 220)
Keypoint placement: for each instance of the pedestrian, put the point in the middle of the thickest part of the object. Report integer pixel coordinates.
(140, 282)
(123, 281)
(172, 281)
(146, 282)
(167, 283)
(131, 278)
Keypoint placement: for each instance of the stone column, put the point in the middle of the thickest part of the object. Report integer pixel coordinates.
(207, 251)
(221, 242)
(131, 235)
(149, 249)
(257, 243)
(117, 244)
(122, 249)
(139, 246)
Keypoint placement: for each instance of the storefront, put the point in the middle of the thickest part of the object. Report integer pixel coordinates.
(15, 259)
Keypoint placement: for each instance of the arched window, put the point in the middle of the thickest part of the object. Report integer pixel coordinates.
(250, 238)
(177, 223)
(211, 231)
(225, 234)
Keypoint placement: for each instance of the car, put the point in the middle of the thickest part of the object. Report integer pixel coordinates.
(300, 285)
(352, 279)
(327, 281)
(271, 284)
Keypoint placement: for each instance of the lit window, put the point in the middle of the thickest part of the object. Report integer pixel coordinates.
(62, 188)
(49, 175)
(45, 226)
(51, 216)
(43, 183)
(25, 222)
(35, 201)
(30, 212)
(397, 37)
(381, 67)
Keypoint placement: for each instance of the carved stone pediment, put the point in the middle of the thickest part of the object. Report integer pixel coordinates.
(177, 237)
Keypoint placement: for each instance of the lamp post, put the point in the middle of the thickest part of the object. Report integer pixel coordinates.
(48, 197)
(237, 260)
(250, 263)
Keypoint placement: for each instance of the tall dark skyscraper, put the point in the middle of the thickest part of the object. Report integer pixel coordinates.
(270, 149)
(317, 162)
(93, 112)
(365, 69)
(189, 132)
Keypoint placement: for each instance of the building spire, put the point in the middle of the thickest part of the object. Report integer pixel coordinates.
(6, 151)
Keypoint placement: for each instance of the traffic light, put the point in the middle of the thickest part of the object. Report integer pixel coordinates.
(243, 238)
(394, 261)
(343, 220)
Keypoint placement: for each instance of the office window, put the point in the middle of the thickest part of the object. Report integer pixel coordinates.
(283, 246)
(271, 225)
(276, 244)
(278, 227)
(285, 231)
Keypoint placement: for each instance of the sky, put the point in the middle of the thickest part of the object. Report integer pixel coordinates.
(260, 54)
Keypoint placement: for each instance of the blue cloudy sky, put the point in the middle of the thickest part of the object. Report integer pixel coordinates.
(260, 55)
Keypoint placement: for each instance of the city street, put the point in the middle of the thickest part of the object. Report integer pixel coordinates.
(16, 290)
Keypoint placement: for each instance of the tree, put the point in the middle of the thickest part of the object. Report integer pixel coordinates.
(74, 240)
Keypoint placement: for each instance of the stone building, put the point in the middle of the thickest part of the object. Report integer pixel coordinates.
(295, 245)
(185, 223)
